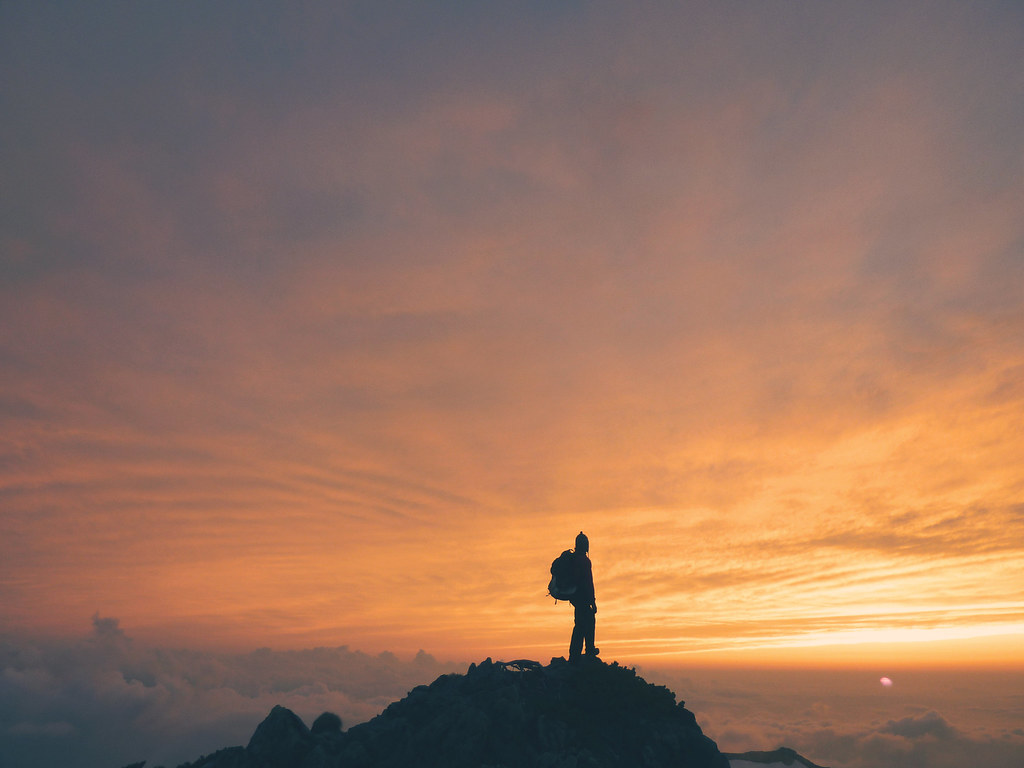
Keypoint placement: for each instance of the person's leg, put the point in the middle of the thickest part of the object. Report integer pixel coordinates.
(588, 634)
(578, 632)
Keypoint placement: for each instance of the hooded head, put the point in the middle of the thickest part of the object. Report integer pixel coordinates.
(582, 543)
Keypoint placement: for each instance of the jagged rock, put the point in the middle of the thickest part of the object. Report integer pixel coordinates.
(281, 740)
(523, 714)
(513, 715)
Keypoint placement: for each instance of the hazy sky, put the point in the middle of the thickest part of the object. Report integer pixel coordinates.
(334, 325)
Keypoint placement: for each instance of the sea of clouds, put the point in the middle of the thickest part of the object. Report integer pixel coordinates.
(848, 719)
(104, 701)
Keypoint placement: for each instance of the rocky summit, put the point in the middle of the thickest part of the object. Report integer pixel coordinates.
(516, 714)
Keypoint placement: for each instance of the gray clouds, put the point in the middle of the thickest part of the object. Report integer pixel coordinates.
(105, 701)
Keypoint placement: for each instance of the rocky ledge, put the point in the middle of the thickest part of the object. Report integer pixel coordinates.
(516, 714)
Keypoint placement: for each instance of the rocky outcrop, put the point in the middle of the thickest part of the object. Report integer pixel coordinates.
(282, 740)
(514, 714)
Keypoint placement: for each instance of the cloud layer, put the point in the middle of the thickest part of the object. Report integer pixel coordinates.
(930, 719)
(107, 700)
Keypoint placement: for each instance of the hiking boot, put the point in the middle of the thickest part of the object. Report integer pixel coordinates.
(593, 652)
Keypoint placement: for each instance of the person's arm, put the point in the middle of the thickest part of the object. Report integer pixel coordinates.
(593, 591)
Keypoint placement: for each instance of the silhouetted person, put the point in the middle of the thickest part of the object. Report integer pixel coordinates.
(583, 601)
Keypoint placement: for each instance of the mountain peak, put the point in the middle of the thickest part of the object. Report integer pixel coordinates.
(513, 714)
(281, 739)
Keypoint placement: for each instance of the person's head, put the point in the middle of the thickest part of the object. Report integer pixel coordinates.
(582, 543)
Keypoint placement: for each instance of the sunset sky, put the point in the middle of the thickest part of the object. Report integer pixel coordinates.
(326, 325)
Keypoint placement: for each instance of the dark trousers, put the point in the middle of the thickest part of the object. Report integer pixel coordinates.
(582, 631)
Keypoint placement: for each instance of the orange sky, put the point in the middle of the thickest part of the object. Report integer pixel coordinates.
(323, 329)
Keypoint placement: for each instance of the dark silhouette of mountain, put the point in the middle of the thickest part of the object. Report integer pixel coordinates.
(516, 714)
(780, 756)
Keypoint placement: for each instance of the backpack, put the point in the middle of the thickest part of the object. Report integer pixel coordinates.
(563, 576)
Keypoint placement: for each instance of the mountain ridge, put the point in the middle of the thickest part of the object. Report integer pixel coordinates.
(516, 714)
